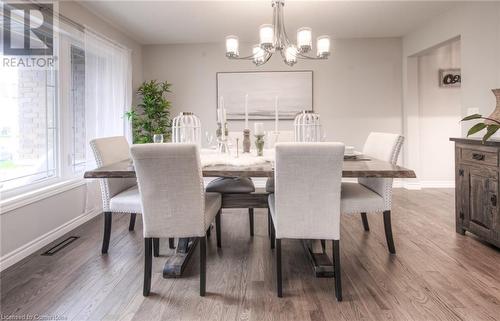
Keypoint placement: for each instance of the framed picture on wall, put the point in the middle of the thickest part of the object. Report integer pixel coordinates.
(294, 90)
(450, 78)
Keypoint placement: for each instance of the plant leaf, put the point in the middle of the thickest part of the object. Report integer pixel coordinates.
(492, 129)
(477, 127)
(471, 117)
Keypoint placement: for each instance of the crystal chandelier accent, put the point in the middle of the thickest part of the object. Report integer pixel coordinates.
(273, 39)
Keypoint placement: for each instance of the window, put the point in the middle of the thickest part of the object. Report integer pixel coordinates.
(28, 126)
(50, 114)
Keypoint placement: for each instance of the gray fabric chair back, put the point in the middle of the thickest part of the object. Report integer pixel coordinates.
(109, 150)
(385, 147)
(307, 191)
(171, 187)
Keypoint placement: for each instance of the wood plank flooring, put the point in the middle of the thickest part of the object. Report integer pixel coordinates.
(435, 275)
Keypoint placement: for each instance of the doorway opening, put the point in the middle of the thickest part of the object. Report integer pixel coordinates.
(434, 78)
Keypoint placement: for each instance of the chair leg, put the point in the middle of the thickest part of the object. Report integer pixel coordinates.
(336, 266)
(273, 234)
(250, 217)
(203, 265)
(107, 232)
(209, 231)
(279, 280)
(148, 264)
(388, 232)
(218, 229)
(171, 243)
(156, 247)
(269, 222)
(323, 245)
(364, 218)
(131, 225)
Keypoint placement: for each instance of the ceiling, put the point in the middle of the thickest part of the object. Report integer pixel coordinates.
(167, 22)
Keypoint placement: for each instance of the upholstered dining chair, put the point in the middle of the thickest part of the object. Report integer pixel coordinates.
(174, 203)
(306, 201)
(286, 136)
(234, 185)
(119, 195)
(374, 195)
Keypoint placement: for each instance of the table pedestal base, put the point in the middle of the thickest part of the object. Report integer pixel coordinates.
(320, 262)
(176, 263)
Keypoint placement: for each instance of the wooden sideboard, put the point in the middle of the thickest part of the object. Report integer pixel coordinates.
(477, 188)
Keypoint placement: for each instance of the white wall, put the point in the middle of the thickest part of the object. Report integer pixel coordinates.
(440, 114)
(478, 26)
(357, 90)
(32, 226)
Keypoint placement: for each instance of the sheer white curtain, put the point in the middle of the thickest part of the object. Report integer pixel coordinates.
(108, 89)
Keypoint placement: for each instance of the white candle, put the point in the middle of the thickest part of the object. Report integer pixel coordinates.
(218, 115)
(276, 116)
(224, 115)
(259, 129)
(246, 111)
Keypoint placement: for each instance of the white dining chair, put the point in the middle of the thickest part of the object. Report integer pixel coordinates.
(235, 185)
(119, 195)
(286, 136)
(374, 195)
(174, 202)
(306, 201)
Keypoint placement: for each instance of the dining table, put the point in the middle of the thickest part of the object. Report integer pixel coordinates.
(353, 167)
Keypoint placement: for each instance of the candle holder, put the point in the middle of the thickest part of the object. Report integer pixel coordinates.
(259, 143)
(222, 144)
(246, 141)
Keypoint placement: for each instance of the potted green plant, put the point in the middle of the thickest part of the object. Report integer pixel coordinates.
(152, 115)
(491, 123)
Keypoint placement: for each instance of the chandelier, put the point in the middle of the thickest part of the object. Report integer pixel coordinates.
(273, 39)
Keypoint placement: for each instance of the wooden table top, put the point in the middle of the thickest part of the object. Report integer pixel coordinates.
(351, 168)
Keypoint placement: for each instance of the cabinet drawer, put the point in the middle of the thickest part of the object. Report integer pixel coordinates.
(480, 156)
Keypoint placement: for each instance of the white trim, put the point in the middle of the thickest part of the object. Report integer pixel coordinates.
(437, 184)
(38, 243)
(414, 184)
(24, 199)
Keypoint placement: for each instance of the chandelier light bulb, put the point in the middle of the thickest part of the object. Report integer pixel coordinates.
(258, 55)
(232, 46)
(266, 34)
(323, 46)
(291, 55)
(304, 39)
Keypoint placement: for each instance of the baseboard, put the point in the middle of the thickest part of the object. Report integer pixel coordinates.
(437, 184)
(414, 184)
(38, 243)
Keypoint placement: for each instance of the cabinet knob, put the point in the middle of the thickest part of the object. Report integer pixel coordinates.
(461, 172)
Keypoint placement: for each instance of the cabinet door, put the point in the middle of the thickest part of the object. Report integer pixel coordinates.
(483, 201)
(462, 198)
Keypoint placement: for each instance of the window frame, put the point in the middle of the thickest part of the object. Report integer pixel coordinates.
(64, 173)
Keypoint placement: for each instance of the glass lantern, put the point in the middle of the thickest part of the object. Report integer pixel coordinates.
(307, 127)
(186, 128)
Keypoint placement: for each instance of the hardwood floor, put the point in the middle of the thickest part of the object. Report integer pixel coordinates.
(435, 275)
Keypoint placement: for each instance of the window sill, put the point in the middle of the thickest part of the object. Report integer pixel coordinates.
(15, 202)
